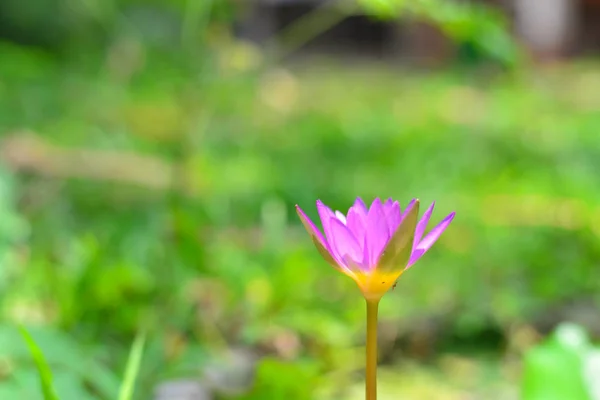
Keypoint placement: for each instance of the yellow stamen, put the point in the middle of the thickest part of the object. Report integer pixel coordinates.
(375, 284)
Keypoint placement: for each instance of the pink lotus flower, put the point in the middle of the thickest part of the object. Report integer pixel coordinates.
(373, 246)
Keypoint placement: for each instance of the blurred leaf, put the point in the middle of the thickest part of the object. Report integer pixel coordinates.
(278, 380)
(67, 358)
(133, 367)
(44, 373)
(463, 22)
(384, 8)
(554, 369)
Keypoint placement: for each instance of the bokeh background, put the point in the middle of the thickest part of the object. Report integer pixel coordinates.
(152, 152)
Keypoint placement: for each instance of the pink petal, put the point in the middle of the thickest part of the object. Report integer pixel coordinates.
(378, 232)
(357, 222)
(344, 243)
(310, 227)
(387, 205)
(414, 257)
(422, 225)
(318, 239)
(393, 217)
(430, 239)
(325, 214)
(365, 258)
(435, 233)
(359, 207)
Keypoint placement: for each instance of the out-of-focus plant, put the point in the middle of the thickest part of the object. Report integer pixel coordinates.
(563, 367)
(126, 391)
(78, 372)
(479, 25)
(14, 229)
(44, 372)
(158, 23)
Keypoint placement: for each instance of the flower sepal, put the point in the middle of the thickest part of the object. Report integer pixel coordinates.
(398, 250)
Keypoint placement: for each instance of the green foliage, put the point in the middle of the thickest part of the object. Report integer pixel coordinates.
(555, 369)
(160, 23)
(279, 380)
(44, 372)
(78, 370)
(133, 368)
(470, 23)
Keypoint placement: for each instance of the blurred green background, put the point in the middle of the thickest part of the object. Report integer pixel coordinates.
(152, 155)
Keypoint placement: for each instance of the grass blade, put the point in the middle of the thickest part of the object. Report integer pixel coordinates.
(133, 367)
(42, 366)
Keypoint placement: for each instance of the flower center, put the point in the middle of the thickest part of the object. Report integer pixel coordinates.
(375, 284)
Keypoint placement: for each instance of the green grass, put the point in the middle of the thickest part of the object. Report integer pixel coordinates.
(44, 372)
(133, 368)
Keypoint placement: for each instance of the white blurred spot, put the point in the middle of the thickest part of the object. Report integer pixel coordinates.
(547, 25)
(341, 217)
(591, 372)
(572, 336)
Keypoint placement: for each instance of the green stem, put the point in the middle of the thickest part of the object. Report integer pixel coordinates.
(371, 371)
